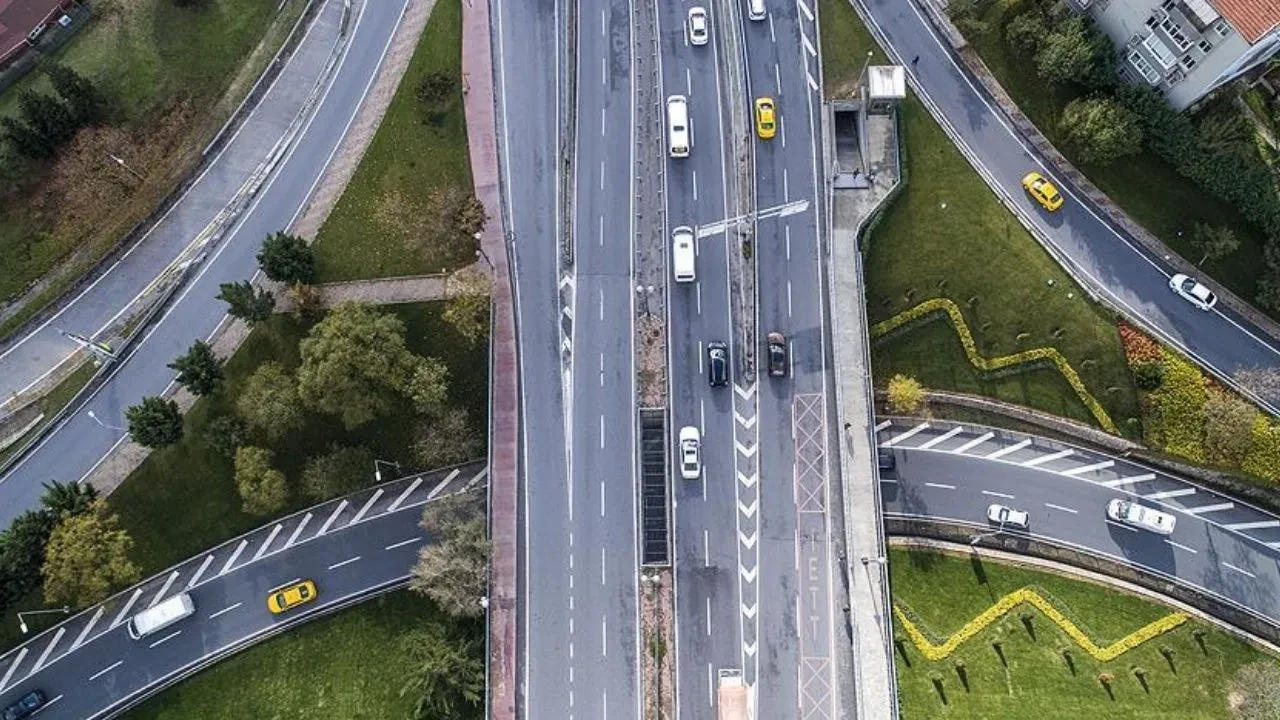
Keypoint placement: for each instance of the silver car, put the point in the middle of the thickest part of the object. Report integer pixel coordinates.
(1005, 516)
(1194, 293)
(698, 26)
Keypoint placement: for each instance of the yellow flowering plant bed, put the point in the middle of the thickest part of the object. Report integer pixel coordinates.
(1029, 596)
(1035, 355)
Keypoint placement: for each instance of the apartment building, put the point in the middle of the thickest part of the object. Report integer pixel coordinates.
(1188, 48)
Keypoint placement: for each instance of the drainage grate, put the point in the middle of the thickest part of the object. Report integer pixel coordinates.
(655, 517)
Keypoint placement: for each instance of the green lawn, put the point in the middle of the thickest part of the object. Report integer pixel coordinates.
(349, 666)
(946, 591)
(190, 476)
(385, 224)
(1144, 185)
(947, 235)
(57, 398)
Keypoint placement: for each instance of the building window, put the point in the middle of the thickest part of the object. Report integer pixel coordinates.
(1168, 4)
(1140, 64)
(1151, 21)
(1175, 34)
(1205, 47)
(1160, 51)
(1188, 62)
(1222, 28)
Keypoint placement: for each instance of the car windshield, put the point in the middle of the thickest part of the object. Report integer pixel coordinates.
(280, 601)
(303, 593)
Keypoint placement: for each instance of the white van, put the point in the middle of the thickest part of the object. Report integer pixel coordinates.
(755, 9)
(161, 615)
(1131, 513)
(683, 260)
(678, 130)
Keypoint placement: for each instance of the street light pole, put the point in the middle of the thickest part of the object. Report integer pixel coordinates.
(377, 472)
(109, 427)
(120, 161)
(22, 622)
(973, 541)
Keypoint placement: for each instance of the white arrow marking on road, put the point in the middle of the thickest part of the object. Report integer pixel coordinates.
(407, 492)
(744, 422)
(334, 516)
(748, 575)
(1008, 450)
(566, 280)
(883, 425)
(942, 438)
(747, 480)
(4, 682)
(1170, 494)
(48, 649)
(805, 9)
(974, 443)
(747, 451)
(125, 610)
(163, 589)
(1254, 526)
(749, 510)
(899, 438)
(368, 504)
(266, 544)
(1210, 508)
(85, 632)
(745, 394)
(200, 571)
(750, 612)
(234, 556)
(298, 530)
(748, 540)
(1131, 479)
(1047, 458)
(1089, 468)
(749, 648)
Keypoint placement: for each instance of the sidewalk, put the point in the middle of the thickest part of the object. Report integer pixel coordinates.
(504, 429)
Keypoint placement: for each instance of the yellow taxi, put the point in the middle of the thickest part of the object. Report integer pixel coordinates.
(1043, 191)
(766, 123)
(291, 596)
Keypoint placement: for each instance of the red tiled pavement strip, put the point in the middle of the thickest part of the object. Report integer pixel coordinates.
(477, 74)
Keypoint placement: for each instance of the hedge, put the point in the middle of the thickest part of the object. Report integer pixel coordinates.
(1180, 402)
(1263, 459)
(1035, 355)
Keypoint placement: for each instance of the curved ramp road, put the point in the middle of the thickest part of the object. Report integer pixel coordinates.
(79, 444)
(1111, 263)
(953, 472)
(353, 548)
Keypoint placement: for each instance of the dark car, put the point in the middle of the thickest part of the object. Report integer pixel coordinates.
(777, 355)
(30, 703)
(718, 364)
(886, 461)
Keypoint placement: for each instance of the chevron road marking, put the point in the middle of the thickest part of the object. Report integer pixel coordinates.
(747, 480)
(200, 571)
(1210, 508)
(407, 492)
(567, 280)
(163, 589)
(750, 611)
(1170, 494)
(85, 632)
(298, 530)
(747, 451)
(805, 9)
(368, 504)
(234, 556)
(266, 543)
(744, 422)
(749, 510)
(899, 438)
(748, 540)
(974, 443)
(883, 425)
(4, 682)
(1089, 468)
(125, 610)
(327, 523)
(748, 575)
(443, 484)
(808, 45)
(745, 394)
(1131, 479)
(813, 84)
(749, 648)
(1008, 450)
(1254, 526)
(1048, 458)
(942, 438)
(48, 649)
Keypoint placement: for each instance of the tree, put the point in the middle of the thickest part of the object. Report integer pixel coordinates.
(155, 422)
(61, 500)
(467, 308)
(429, 386)
(262, 488)
(47, 116)
(1066, 53)
(22, 553)
(1258, 687)
(470, 217)
(906, 395)
(339, 471)
(1228, 427)
(308, 305)
(269, 401)
(1268, 294)
(244, 301)
(453, 568)
(199, 370)
(86, 104)
(1100, 129)
(1025, 32)
(225, 434)
(445, 674)
(445, 438)
(1213, 242)
(354, 363)
(87, 558)
(287, 258)
(25, 141)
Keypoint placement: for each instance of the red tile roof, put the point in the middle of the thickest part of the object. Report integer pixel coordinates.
(1251, 18)
(19, 17)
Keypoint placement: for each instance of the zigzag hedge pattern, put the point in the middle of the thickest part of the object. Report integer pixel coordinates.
(1031, 597)
(948, 306)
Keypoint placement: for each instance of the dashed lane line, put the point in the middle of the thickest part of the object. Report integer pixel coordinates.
(1180, 546)
(941, 486)
(402, 543)
(348, 561)
(1063, 509)
(166, 638)
(106, 670)
(993, 493)
(1242, 571)
(225, 610)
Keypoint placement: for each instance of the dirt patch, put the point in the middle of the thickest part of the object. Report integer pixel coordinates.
(651, 356)
(657, 629)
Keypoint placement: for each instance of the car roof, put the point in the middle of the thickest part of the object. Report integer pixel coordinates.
(1201, 291)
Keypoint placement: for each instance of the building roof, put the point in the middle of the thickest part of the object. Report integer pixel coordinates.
(1251, 18)
(19, 17)
(887, 82)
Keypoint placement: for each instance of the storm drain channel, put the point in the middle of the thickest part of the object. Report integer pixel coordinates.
(655, 516)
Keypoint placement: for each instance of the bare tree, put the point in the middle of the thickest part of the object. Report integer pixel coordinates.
(453, 568)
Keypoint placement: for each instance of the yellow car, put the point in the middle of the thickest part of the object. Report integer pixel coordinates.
(1043, 191)
(766, 124)
(291, 596)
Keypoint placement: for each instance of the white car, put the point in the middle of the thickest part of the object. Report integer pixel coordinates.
(1193, 291)
(1008, 517)
(1145, 518)
(690, 453)
(698, 26)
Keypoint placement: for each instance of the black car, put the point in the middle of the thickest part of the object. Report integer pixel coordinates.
(777, 355)
(718, 364)
(29, 703)
(886, 461)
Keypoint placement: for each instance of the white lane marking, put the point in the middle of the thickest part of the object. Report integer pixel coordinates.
(708, 616)
(993, 493)
(883, 425)
(699, 358)
(127, 606)
(1170, 494)
(57, 637)
(1218, 507)
(601, 498)
(1059, 507)
(1239, 570)
(602, 133)
(402, 543)
(443, 484)
(365, 508)
(808, 45)
(786, 232)
(234, 556)
(788, 298)
(602, 430)
(4, 682)
(298, 530)
(688, 82)
(1180, 546)
(1126, 480)
(332, 516)
(899, 438)
(1089, 468)
(163, 588)
(225, 610)
(87, 628)
(805, 9)
(942, 438)
(103, 671)
(702, 416)
(407, 492)
(697, 290)
(1113, 523)
(772, 37)
(1009, 449)
(777, 78)
(695, 193)
(782, 130)
(1273, 545)
(604, 26)
(166, 638)
(569, 311)
(942, 486)
(604, 636)
(711, 692)
(265, 544)
(600, 226)
(46, 705)
(1254, 525)
(1048, 458)
(200, 571)
(604, 72)
(706, 548)
(348, 561)
(973, 443)
(603, 574)
(813, 84)
(786, 187)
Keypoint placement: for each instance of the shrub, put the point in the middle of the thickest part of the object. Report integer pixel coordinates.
(1263, 459)
(1228, 430)
(1139, 348)
(1148, 376)
(1100, 129)
(225, 434)
(906, 395)
(339, 471)
(1025, 32)
(1181, 402)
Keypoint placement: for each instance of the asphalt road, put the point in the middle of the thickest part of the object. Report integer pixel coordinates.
(89, 667)
(1222, 546)
(1109, 261)
(77, 445)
